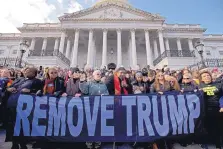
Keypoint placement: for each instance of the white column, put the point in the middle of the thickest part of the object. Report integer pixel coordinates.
(155, 48)
(149, 54)
(130, 51)
(56, 45)
(33, 42)
(179, 47)
(68, 48)
(167, 44)
(93, 53)
(75, 51)
(190, 43)
(62, 41)
(44, 46)
(104, 49)
(89, 59)
(134, 54)
(119, 48)
(162, 48)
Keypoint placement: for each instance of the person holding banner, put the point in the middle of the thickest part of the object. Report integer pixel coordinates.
(118, 84)
(213, 91)
(53, 84)
(188, 84)
(72, 87)
(27, 85)
(140, 86)
(95, 87)
(164, 83)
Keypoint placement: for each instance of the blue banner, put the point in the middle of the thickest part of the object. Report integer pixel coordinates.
(134, 118)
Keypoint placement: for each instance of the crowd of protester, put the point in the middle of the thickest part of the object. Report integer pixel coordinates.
(111, 81)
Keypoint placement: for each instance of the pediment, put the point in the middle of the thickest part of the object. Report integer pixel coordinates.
(111, 12)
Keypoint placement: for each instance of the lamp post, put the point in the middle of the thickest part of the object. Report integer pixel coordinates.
(200, 49)
(23, 47)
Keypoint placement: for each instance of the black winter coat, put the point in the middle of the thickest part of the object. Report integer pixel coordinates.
(212, 94)
(111, 85)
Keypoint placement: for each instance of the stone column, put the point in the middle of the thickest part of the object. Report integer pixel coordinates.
(149, 54)
(119, 47)
(162, 48)
(134, 54)
(56, 46)
(68, 48)
(32, 46)
(89, 59)
(33, 42)
(155, 48)
(104, 49)
(167, 44)
(93, 55)
(75, 51)
(190, 43)
(179, 47)
(44, 46)
(62, 41)
(130, 51)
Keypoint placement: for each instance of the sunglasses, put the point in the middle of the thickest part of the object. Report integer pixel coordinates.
(53, 73)
(186, 78)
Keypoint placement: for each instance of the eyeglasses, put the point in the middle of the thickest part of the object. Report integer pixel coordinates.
(186, 78)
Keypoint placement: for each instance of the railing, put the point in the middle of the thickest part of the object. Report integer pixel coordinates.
(173, 53)
(11, 62)
(209, 63)
(50, 53)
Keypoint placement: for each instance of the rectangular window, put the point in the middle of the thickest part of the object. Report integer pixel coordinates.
(221, 52)
(2, 52)
(208, 52)
(14, 52)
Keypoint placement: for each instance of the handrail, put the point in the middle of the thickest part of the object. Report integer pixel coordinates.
(173, 53)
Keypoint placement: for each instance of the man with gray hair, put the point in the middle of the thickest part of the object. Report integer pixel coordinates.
(95, 87)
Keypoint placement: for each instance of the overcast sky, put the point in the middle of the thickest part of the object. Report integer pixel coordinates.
(208, 13)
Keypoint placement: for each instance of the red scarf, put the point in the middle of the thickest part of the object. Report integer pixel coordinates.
(118, 86)
(49, 86)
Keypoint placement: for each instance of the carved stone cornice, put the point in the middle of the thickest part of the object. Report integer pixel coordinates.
(213, 37)
(184, 30)
(91, 10)
(10, 38)
(34, 29)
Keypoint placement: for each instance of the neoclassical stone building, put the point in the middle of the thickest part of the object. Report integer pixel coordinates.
(111, 31)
